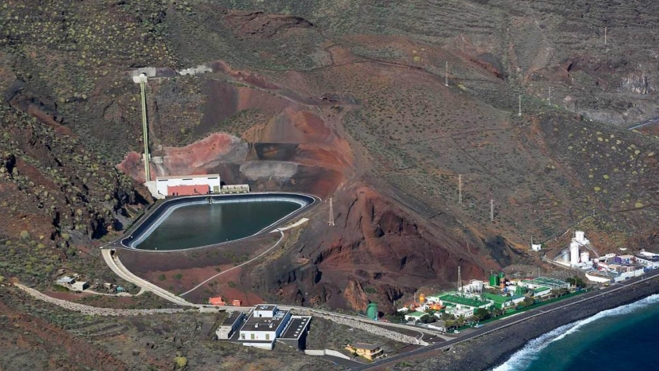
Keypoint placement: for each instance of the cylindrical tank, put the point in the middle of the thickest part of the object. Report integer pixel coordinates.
(372, 311)
(574, 253)
(494, 280)
(422, 298)
(585, 257)
(502, 276)
(520, 290)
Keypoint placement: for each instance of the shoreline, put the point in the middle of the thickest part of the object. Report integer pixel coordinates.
(497, 345)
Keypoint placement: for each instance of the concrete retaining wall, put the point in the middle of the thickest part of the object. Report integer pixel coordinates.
(326, 352)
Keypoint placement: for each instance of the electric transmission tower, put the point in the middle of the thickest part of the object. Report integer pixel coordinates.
(331, 214)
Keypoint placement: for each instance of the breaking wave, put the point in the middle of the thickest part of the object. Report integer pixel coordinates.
(523, 358)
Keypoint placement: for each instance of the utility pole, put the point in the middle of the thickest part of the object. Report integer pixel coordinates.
(519, 113)
(459, 280)
(491, 210)
(141, 79)
(549, 99)
(331, 214)
(605, 36)
(446, 75)
(460, 189)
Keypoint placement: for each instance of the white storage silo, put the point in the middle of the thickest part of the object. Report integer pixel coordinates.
(585, 257)
(574, 253)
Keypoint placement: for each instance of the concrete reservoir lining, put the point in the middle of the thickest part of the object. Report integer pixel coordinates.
(198, 221)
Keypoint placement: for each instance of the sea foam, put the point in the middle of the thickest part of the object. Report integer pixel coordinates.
(523, 358)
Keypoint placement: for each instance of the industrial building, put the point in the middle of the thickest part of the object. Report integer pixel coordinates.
(230, 325)
(415, 316)
(265, 325)
(474, 287)
(541, 292)
(552, 283)
(188, 185)
(497, 279)
(295, 333)
(503, 301)
(612, 267)
(459, 305)
(577, 255)
(648, 259)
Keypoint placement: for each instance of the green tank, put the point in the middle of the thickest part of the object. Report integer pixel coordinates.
(520, 290)
(372, 311)
(494, 280)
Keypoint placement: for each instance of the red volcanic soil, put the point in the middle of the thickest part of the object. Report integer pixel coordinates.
(229, 286)
(193, 159)
(180, 271)
(291, 130)
(375, 252)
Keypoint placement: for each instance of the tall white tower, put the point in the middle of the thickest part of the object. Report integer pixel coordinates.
(574, 253)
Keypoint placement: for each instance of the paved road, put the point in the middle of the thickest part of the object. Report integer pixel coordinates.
(94, 311)
(651, 121)
(510, 321)
(120, 270)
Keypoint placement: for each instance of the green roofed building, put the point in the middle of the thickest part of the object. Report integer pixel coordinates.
(502, 302)
(551, 283)
(541, 291)
(463, 305)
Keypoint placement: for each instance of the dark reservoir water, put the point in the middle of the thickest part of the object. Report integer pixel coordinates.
(207, 224)
(621, 339)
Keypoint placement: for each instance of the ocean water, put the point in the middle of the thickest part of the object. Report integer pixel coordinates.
(623, 338)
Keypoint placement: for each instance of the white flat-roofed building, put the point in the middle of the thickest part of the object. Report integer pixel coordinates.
(66, 280)
(648, 259)
(265, 310)
(264, 326)
(210, 180)
(79, 286)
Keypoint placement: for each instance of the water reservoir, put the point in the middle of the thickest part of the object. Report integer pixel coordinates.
(202, 221)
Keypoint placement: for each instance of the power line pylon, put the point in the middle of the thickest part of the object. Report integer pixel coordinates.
(331, 214)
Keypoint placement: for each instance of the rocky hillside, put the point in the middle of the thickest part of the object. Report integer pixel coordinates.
(345, 100)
